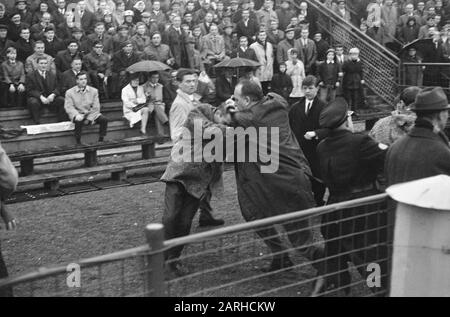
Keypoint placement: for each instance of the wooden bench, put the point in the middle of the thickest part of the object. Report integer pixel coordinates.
(118, 172)
(16, 117)
(26, 158)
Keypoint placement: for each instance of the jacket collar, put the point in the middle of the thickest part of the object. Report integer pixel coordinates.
(185, 96)
(426, 132)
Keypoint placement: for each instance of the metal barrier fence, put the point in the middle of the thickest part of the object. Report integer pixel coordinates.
(230, 261)
(425, 75)
(380, 64)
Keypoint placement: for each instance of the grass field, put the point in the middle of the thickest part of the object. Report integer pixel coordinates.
(64, 229)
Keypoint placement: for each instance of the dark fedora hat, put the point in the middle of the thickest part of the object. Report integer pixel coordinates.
(430, 99)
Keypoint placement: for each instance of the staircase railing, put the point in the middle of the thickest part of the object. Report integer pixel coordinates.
(381, 66)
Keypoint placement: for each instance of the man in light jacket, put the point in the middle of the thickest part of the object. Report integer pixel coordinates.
(83, 107)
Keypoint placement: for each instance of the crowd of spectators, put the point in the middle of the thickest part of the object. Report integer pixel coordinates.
(105, 37)
(282, 35)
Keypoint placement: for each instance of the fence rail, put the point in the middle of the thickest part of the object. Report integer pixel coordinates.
(380, 64)
(230, 261)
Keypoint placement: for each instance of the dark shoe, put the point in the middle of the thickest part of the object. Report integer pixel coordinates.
(279, 263)
(210, 222)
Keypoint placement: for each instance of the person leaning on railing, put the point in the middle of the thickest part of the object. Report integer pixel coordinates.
(8, 183)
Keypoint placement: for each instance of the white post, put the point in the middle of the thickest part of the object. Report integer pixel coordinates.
(421, 251)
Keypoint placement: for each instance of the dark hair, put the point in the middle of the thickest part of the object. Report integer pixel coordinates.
(72, 41)
(310, 80)
(185, 72)
(41, 58)
(38, 42)
(80, 73)
(97, 42)
(99, 23)
(76, 57)
(251, 89)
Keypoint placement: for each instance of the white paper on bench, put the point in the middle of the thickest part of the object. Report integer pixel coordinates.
(49, 127)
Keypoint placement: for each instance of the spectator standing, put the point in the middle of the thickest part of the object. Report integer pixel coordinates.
(282, 83)
(409, 158)
(304, 122)
(176, 39)
(264, 53)
(307, 51)
(83, 107)
(328, 76)
(353, 80)
(296, 70)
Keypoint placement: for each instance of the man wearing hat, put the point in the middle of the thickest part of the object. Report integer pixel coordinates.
(425, 151)
(64, 58)
(285, 45)
(349, 163)
(52, 44)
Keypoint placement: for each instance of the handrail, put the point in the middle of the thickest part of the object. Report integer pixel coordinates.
(321, 7)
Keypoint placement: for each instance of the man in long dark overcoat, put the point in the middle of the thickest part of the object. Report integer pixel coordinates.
(283, 190)
(304, 122)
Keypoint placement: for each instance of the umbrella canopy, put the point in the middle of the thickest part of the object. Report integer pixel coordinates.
(147, 66)
(420, 45)
(237, 62)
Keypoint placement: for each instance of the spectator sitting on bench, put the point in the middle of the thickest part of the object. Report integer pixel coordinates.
(42, 91)
(14, 78)
(134, 103)
(31, 61)
(83, 107)
(154, 92)
(69, 77)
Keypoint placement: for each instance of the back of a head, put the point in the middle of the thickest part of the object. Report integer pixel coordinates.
(251, 89)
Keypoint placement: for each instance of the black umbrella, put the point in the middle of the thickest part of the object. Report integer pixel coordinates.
(420, 45)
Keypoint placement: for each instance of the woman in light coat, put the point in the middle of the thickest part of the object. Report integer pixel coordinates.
(296, 69)
(264, 54)
(132, 95)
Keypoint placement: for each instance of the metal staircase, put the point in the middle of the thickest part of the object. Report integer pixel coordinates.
(381, 66)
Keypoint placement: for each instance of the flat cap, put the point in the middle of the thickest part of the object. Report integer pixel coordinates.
(146, 14)
(335, 114)
(3, 27)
